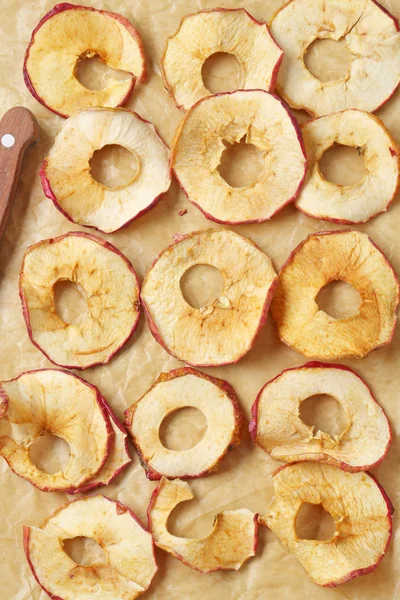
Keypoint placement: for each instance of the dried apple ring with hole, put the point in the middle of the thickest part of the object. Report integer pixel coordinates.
(109, 283)
(222, 332)
(172, 391)
(258, 118)
(207, 32)
(232, 541)
(372, 38)
(130, 562)
(361, 511)
(66, 176)
(359, 202)
(324, 257)
(277, 427)
(69, 33)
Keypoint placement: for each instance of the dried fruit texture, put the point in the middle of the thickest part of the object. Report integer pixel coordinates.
(207, 32)
(57, 402)
(360, 202)
(178, 389)
(336, 256)
(68, 33)
(223, 331)
(66, 176)
(112, 292)
(372, 38)
(232, 541)
(260, 119)
(128, 547)
(361, 510)
(277, 427)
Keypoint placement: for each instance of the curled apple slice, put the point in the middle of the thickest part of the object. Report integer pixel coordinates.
(232, 541)
(361, 511)
(277, 427)
(130, 563)
(109, 283)
(65, 35)
(202, 34)
(327, 256)
(223, 331)
(372, 38)
(178, 389)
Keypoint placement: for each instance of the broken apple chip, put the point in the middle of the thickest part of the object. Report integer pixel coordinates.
(278, 428)
(172, 391)
(66, 176)
(372, 39)
(232, 541)
(207, 32)
(253, 116)
(361, 511)
(360, 202)
(324, 257)
(130, 563)
(223, 331)
(69, 33)
(109, 283)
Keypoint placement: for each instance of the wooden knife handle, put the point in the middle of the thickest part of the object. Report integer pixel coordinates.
(18, 131)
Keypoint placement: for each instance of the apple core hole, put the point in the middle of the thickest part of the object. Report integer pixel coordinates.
(328, 60)
(49, 453)
(70, 302)
(324, 413)
(85, 551)
(339, 300)
(241, 164)
(183, 428)
(201, 285)
(94, 74)
(342, 165)
(313, 522)
(221, 73)
(114, 166)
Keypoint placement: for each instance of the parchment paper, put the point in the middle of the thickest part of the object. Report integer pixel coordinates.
(244, 479)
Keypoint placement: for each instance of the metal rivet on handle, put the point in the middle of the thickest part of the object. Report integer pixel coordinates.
(8, 140)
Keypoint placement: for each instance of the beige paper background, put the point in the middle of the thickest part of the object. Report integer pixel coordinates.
(244, 479)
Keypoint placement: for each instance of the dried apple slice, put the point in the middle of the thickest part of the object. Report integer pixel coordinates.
(111, 287)
(60, 403)
(66, 177)
(65, 35)
(202, 34)
(128, 547)
(177, 389)
(372, 39)
(361, 511)
(224, 331)
(327, 256)
(277, 427)
(260, 119)
(232, 541)
(360, 202)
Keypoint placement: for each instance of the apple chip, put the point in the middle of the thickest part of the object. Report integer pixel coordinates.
(179, 389)
(277, 427)
(223, 331)
(336, 256)
(69, 33)
(232, 541)
(372, 38)
(361, 511)
(130, 563)
(207, 32)
(112, 291)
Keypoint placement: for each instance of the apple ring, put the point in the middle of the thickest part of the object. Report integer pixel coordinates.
(336, 256)
(373, 40)
(130, 562)
(202, 34)
(179, 389)
(111, 287)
